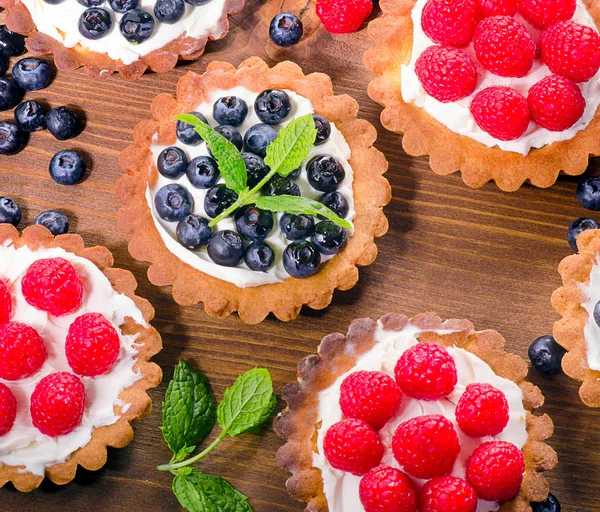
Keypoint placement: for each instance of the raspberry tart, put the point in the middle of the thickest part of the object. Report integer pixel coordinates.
(125, 36)
(190, 225)
(75, 349)
(411, 415)
(502, 90)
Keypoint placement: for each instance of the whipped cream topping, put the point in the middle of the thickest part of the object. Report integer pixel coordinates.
(61, 22)
(456, 115)
(591, 331)
(336, 146)
(341, 488)
(24, 445)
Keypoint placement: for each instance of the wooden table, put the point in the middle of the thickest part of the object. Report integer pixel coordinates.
(480, 254)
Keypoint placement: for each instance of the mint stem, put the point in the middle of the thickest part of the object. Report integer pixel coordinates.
(195, 458)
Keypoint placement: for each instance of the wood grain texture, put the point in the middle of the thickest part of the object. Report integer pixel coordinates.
(479, 254)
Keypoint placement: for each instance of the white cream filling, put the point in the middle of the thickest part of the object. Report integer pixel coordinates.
(341, 488)
(456, 115)
(61, 22)
(591, 332)
(242, 276)
(24, 445)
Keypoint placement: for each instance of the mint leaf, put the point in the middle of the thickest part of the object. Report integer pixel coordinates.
(198, 492)
(231, 163)
(298, 206)
(291, 147)
(248, 403)
(188, 411)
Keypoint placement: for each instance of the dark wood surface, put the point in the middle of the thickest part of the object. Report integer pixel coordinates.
(480, 254)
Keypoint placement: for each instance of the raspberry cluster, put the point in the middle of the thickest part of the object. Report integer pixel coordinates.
(506, 47)
(424, 447)
(92, 347)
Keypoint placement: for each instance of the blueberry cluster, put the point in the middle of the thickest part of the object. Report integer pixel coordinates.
(308, 238)
(56, 222)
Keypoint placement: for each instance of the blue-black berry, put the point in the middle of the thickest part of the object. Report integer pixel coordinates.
(301, 259)
(31, 74)
(226, 248)
(12, 138)
(230, 110)
(588, 193)
(285, 29)
(193, 232)
(272, 106)
(54, 221)
(578, 226)
(259, 256)
(63, 123)
(10, 213)
(253, 223)
(67, 167)
(173, 202)
(550, 504)
(546, 355)
(30, 116)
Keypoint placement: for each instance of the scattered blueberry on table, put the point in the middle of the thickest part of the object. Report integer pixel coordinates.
(285, 29)
(30, 116)
(12, 138)
(550, 504)
(546, 355)
(588, 193)
(56, 222)
(31, 74)
(577, 226)
(67, 167)
(9, 211)
(63, 123)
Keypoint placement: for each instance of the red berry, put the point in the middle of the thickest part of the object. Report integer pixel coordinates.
(343, 16)
(92, 345)
(22, 351)
(446, 73)
(57, 404)
(5, 303)
(496, 8)
(426, 371)
(448, 494)
(504, 47)
(543, 13)
(482, 411)
(570, 49)
(53, 285)
(501, 111)
(556, 103)
(353, 445)
(495, 470)
(426, 446)
(387, 489)
(8, 409)
(450, 22)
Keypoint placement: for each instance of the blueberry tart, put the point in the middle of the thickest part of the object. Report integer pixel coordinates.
(277, 226)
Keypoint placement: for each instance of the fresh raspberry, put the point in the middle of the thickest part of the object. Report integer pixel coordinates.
(446, 73)
(501, 111)
(8, 409)
(5, 303)
(504, 47)
(353, 445)
(495, 470)
(343, 16)
(22, 351)
(387, 489)
(57, 404)
(482, 411)
(487, 8)
(448, 494)
(92, 345)
(426, 371)
(570, 49)
(556, 103)
(52, 285)
(426, 446)
(543, 13)
(450, 22)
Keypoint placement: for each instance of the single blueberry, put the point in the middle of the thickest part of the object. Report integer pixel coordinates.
(280, 186)
(325, 173)
(323, 129)
(12, 138)
(285, 29)
(30, 116)
(31, 74)
(203, 172)
(67, 167)
(232, 134)
(259, 256)
(136, 26)
(255, 167)
(186, 133)
(173, 202)
(169, 11)
(54, 221)
(193, 232)
(336, 202)
(11, 43)
(63, 123)
(10, 93)
(546, 355)
(226, 248)
(272, 106)
(588, 193)
(329, 237)
(123, 5)
(10, 213)
(218, 199)
(230, 110)
(577, 226)
(301, 259)
(253, 223)
(95, 23)
(550, 504)
(296, 227)
(172, 163)
(258, 137)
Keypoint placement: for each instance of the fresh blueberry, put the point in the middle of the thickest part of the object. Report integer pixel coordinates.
(296, 227)
(173, 202)
(280, 186)
(172, 163)
(550, 504)
(186, 133)
(63, 123)
(255, 167)
(253, 223)
(546, 355)
(30, 116)
(91, 3)
(67, 167)
(588, 193)
(11, 43)
(12, 138)
(272, 106)
(323, 129)
(325, 173)
(258, 137)
(10, 93)
(218, 199)
(123, 5)
(285, 29)
(336, 202)
(259, 256)
(203, 172)
(95, 23)
(137, 26)
(597, 313)
(301, 259)
(226, 248)
(10, 213)
(230, 110)
(329, 237)
(54, 221)
(577, 226)
(169, 11)
(232, 134)
(193, 232)
(31, 74)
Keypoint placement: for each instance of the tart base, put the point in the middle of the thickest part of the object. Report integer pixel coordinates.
(448, 151)
(337, 354)
(118, 435)
(285, 299)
